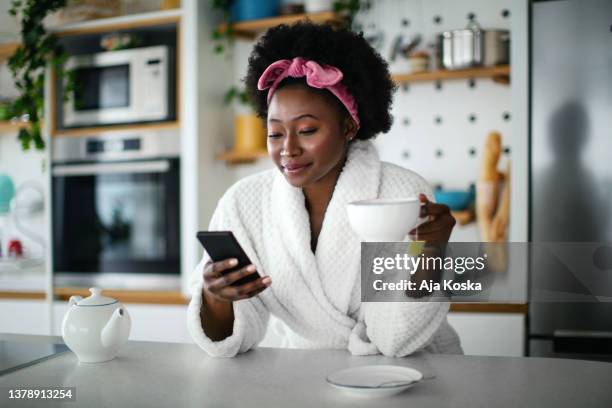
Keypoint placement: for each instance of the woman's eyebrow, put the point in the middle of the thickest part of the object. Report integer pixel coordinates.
(305, 115)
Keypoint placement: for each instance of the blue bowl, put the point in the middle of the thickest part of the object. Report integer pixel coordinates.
(456, 200)
(253, 10)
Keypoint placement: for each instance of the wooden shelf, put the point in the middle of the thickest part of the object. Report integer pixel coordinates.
(116, 128)
(22, 295)
(7, 50)
(9, 127)
(500, 74)
(129, 21)
(250, 29)
(237, 157)
(127, 296)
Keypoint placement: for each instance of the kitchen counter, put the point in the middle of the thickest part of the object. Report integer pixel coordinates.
(147, 374)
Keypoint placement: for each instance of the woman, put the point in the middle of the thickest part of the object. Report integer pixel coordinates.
(323, 93)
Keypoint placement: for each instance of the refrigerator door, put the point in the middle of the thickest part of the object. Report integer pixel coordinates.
(571, 155)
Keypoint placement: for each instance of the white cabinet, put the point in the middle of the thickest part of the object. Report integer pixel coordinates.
(24, 316)
(166, 323)
(490, 334)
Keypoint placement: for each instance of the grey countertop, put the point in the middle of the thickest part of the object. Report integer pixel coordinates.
(148, 374)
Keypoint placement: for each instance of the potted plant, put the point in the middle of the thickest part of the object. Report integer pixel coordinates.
(249, 130)
(28, 65)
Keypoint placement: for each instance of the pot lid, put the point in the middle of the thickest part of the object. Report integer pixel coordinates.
(96, 299)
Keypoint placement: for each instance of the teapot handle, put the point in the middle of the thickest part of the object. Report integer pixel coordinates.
(73, 300)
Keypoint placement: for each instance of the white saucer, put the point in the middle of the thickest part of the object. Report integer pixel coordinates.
(375, 381)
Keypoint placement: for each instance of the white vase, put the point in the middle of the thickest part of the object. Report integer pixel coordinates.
(314, 6)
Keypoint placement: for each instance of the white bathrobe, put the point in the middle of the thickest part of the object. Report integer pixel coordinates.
(317, 296)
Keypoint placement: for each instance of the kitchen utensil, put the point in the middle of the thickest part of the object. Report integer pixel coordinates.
(375, 381)
(404, 46)
(473, 47)
(95, 327)
(383, 219)
(374, 38)
(419, 61)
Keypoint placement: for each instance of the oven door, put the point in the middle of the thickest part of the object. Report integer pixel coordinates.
(117, 223)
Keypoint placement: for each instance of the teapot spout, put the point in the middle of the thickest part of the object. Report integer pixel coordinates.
(117, 329)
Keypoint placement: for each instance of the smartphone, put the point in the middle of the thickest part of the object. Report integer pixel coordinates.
(221, 245)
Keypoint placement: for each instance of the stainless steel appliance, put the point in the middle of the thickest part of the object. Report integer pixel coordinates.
(126, 86)
(115, 210)
(571, 171)
(473, 47)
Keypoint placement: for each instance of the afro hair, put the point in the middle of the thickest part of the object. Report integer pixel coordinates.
(365, 72)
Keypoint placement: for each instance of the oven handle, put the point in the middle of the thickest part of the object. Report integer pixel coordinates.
(156, 166)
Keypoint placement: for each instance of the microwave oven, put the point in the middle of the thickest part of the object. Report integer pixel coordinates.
(117, 87)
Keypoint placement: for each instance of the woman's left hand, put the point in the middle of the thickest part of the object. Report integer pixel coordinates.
(439, 224)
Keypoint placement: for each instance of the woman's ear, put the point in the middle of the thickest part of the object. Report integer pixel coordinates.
(350, 128)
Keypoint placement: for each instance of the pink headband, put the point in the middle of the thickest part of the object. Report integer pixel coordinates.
(317, 76)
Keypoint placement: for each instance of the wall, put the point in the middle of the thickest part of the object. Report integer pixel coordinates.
(439, 128)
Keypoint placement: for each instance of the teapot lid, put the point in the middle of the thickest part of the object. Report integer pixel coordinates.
(96, 299)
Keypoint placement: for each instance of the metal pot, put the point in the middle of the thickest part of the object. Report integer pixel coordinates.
(473, 47)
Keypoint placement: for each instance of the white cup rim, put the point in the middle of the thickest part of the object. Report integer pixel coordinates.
(383, 201)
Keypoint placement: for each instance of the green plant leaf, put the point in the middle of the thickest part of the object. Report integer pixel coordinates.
(28, 64)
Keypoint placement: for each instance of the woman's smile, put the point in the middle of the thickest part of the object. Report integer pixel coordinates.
(295, 169)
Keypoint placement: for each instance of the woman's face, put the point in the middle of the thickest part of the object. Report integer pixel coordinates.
(307, 136)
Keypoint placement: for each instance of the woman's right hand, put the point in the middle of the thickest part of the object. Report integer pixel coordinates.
(218, 286)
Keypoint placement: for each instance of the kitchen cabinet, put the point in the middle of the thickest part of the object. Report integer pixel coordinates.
(24, 316)
(167, 323)
(484, 334)
(481, 334)
(490, 334)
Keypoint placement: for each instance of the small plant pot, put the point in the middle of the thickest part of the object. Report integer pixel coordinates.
(249, 133)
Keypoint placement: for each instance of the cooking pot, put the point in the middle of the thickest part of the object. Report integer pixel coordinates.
(473, 47)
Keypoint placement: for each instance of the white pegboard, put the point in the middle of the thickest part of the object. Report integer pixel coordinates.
(440, 127)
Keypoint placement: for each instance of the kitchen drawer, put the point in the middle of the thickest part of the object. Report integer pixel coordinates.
(490, 334)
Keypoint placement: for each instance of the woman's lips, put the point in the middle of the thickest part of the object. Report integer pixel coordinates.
(294, 169)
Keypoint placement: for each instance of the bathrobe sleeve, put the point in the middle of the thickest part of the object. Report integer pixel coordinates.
(400, 329)
(250, 315)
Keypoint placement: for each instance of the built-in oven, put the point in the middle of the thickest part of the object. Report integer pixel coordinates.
(115, 210)
(113, 87)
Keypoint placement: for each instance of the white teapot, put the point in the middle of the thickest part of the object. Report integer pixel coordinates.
(95, 327)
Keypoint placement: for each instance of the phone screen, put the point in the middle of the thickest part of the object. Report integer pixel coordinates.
(222, 245)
